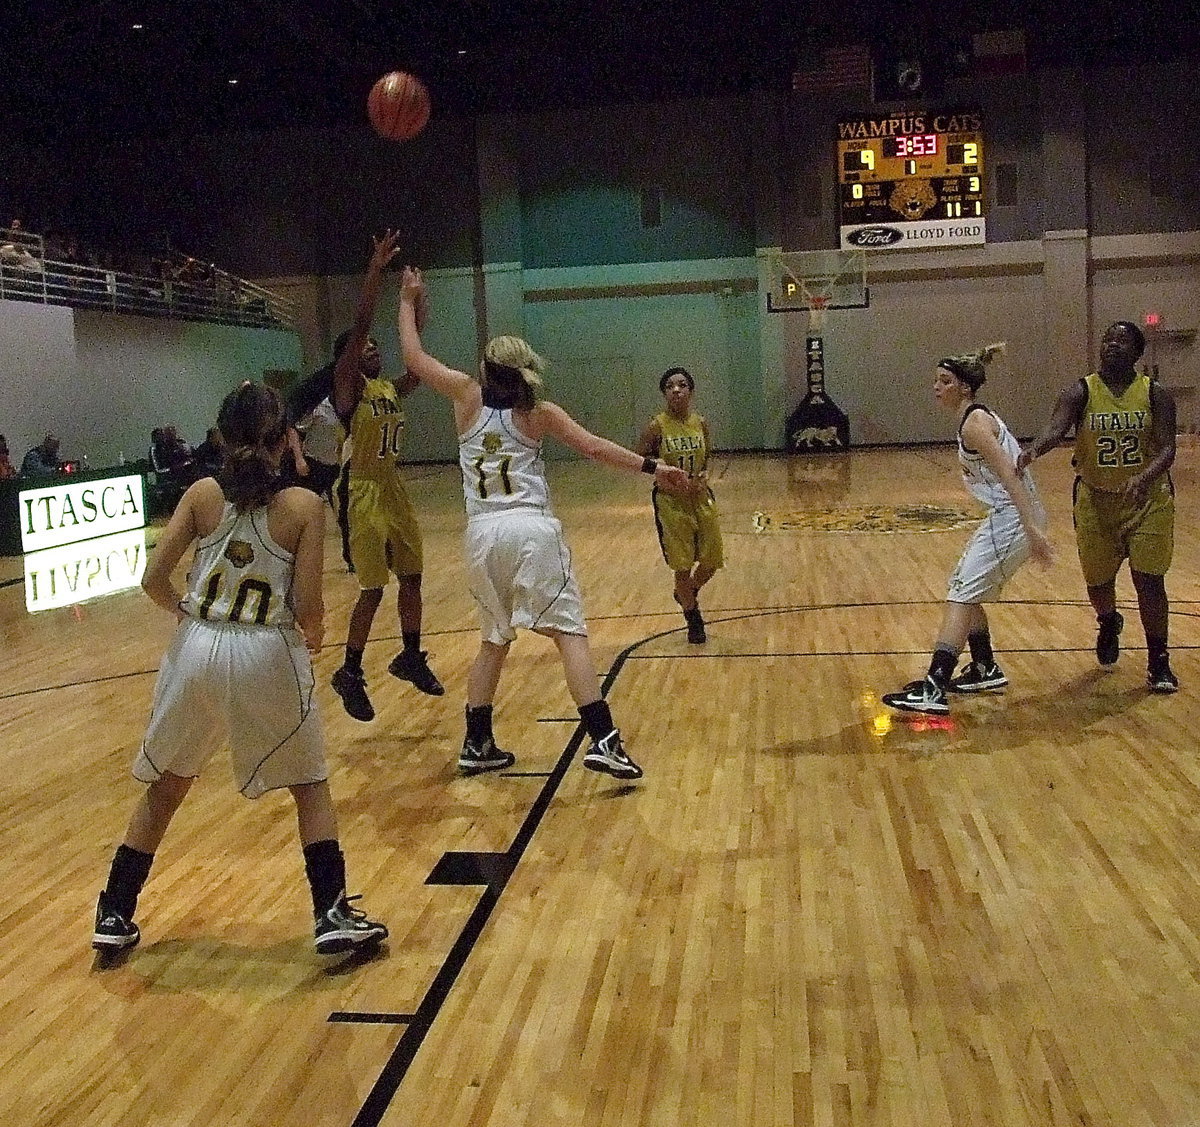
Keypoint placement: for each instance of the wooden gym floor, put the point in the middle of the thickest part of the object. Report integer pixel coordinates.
(810, 911)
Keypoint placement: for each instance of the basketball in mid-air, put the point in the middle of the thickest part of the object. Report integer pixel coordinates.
(398, 106)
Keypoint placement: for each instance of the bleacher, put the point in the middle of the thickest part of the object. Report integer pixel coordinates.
(26, 274)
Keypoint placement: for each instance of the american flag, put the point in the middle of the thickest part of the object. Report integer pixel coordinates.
(840, 69)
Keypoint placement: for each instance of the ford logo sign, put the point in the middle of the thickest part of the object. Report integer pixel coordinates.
(875, 237)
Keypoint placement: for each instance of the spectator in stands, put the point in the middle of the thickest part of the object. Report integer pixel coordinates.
(158, 459)
(14, 250)
(7, 469)
(42, 460)
(210, 453)
(170, 454)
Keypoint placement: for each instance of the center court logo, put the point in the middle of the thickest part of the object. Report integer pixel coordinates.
(867, 518)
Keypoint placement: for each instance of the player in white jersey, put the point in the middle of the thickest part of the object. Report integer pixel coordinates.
(1012, 530)
(238, 666)
(517, 561)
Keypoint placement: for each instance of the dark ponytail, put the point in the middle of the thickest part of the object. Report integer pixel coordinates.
(253, 420)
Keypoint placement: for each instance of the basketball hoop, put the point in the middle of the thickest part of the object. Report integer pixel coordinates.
(798, 278)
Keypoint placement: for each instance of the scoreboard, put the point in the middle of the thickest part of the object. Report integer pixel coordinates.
(911, 180)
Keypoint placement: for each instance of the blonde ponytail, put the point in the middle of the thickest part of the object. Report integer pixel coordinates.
(969, 366)
(511, 373)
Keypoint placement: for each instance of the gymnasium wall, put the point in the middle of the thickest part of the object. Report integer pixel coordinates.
(587, 176)
(38, 376)
(102, 381)
(625, 238)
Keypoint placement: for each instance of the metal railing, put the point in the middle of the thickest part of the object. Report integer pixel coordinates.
(26, 275)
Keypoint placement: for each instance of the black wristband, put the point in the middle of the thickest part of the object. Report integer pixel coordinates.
(649, 465)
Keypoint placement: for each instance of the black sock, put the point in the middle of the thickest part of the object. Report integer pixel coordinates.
(353, 660)
(412, 640)
(1156, 648)
(981, 648)
(479, 725)
(597, 719)
(130, 868)
(941, 666)
(1109, 618)
(325, 867)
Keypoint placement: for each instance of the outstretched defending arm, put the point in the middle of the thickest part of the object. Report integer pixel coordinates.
(552, 419)
(456, 386)
(347, 375)
(1070, 405)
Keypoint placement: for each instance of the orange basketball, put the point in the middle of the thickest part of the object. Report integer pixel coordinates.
(398, 106)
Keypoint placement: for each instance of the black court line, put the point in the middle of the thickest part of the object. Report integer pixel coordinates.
(558, 720)
(730, 615)
(526, 774)
(350, 1017)
(491, 871)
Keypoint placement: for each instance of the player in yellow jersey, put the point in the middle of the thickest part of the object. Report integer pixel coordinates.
(383, 534)
(689, 528)
(1124, 501)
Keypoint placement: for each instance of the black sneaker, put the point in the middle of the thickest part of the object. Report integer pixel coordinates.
(919, 696)
(1108, 639)
(351, 686)
(475, 758)
(608, 755)
(976, 678)
(410, 665)
(695, 625)
(343, 928)
(113, 932)
(1160, 677)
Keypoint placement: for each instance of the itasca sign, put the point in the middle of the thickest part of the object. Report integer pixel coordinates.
(74, 511)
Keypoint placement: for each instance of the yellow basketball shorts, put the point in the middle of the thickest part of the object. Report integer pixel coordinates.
(1108, 530)
(385, 538)
(688, 532)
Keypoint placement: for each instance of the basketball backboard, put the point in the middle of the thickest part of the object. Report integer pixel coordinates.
(798, 276)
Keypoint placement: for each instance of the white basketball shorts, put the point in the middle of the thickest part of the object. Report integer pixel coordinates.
(990, 559)
(519, 569)
(250, 684)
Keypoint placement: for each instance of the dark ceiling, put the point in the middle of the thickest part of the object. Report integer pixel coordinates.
(70, 66)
